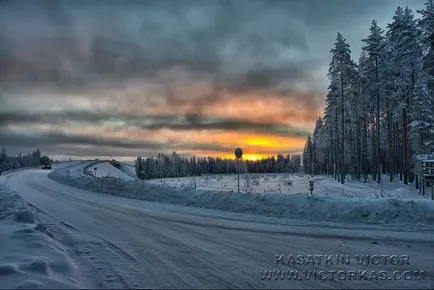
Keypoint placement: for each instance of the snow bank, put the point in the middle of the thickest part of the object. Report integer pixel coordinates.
(128, 170)
(17, 170)
(105, 169)
(319, 208)
(29, 257)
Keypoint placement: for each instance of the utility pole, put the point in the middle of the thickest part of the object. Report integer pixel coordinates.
(238, 171)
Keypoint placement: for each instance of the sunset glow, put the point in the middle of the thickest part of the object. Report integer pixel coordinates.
(250, 157)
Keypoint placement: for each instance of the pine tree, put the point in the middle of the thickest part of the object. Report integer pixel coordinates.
(138, 165)
(425, 102)
(405, 56)
(342, 72)
(379, 112)
(3, 159)
(36, 155)
(373, 72)
(317, 145)
(308, 156)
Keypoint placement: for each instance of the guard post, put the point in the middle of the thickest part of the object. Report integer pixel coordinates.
(238, 155)
(311, 182)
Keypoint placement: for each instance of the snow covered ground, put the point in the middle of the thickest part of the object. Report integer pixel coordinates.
(278, 183)
(101, 239)
(119, 242)
(29, 256)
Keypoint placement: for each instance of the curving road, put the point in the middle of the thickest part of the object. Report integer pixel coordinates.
(126, 243)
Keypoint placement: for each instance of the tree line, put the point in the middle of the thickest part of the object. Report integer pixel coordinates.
(379, 114)
(174, 165)
(31, 159)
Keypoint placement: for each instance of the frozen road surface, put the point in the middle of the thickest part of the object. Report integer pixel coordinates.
(124, 243)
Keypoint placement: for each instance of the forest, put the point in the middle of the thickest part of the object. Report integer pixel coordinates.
(379, 113)
(31, 159)
(174, 165)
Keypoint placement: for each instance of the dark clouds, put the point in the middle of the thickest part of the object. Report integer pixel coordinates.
(76, 44)
(79, 43)
(188, 122)
(56, 139)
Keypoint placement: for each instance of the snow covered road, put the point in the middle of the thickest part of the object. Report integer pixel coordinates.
(126, 243)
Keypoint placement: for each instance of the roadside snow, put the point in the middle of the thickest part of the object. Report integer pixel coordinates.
(318, 208)
(128, 170)
(17, 170)
(78, 168)
(29, 257)
(105, 169)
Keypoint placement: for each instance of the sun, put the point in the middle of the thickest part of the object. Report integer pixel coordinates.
(254, 157)
(247, 157)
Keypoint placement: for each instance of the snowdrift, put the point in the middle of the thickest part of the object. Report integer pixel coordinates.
(128, 170)
(319, 208)
(29, 257)
(105, 169)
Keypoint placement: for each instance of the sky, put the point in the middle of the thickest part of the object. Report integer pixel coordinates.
(119, 79)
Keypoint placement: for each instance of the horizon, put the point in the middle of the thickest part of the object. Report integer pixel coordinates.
(131, 159)
(162, 77)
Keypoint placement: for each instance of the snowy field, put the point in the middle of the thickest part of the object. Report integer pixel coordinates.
(275, 183)
(29, 256)
(279, 184)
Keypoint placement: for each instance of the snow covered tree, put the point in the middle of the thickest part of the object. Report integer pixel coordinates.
(380, 111)
(19, 161)
(308, 155)
(138, 165)
(3, 157)
(36, 156)
(405, 58)
(318, 146)
(342, 73)
(374, 73)
(425, 100)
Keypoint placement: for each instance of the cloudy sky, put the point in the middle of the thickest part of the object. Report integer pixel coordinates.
(127, 78)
